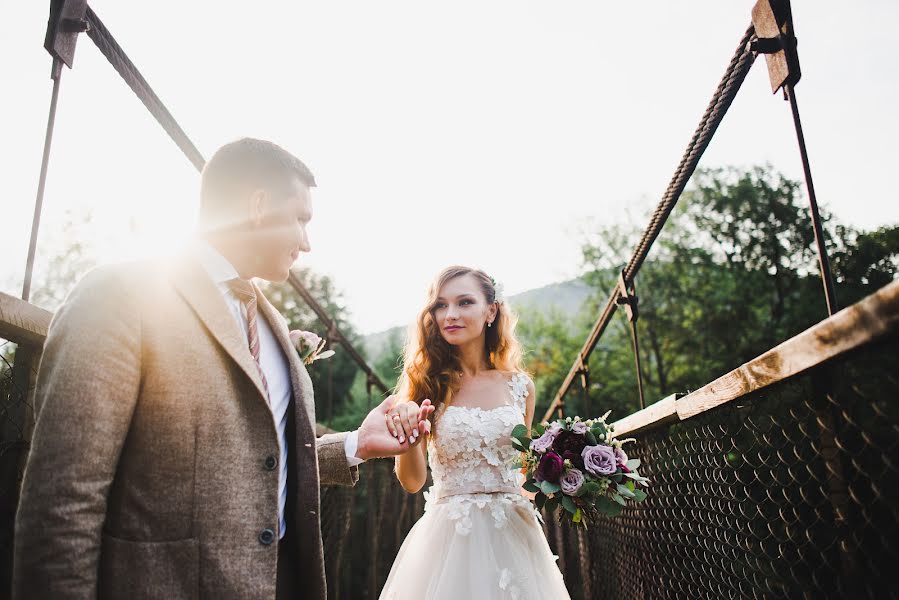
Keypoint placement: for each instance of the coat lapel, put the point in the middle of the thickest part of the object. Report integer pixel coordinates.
(299, 377)
(204, 297)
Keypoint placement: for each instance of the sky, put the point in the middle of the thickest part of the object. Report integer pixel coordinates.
(489, 134)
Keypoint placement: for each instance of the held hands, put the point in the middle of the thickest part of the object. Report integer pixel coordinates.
(409, 422)
(378, 434)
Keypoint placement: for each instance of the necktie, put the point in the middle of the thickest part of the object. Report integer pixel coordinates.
(246, 293)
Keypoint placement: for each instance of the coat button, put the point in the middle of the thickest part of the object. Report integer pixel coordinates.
(266, 537)
(270, 462)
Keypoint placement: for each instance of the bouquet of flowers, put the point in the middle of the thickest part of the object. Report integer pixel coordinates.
(309, 346)
(580, 466)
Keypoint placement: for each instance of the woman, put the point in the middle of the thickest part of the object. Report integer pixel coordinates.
(479, 536)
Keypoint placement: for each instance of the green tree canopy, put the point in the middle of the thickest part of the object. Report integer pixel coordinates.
(733, 273)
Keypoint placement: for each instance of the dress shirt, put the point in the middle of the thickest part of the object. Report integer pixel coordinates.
(272, 360)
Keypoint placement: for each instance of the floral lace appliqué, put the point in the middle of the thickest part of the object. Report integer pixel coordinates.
(472, 456)
(507, 584)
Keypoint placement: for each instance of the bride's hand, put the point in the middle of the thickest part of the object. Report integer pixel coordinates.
(408, 420)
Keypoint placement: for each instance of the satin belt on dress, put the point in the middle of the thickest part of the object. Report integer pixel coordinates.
(475, 488)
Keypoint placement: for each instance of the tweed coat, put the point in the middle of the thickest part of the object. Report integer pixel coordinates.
(150, 473)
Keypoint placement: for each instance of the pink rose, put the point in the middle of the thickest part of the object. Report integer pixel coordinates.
(306, 338)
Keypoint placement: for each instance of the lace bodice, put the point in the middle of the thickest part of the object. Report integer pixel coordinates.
(480, 536)
(471, 456)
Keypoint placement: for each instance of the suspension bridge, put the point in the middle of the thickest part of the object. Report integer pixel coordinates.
(773, 480)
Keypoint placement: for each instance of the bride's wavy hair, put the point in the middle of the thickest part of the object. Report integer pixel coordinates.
(431, 365)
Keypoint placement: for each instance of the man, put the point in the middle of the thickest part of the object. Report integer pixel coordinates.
(174, 451)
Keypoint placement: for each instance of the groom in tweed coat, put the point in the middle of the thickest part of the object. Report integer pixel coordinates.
(174, 452)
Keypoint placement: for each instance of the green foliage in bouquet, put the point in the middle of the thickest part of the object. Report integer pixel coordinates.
(579, 466)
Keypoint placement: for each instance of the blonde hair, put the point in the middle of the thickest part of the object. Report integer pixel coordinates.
(431, 365)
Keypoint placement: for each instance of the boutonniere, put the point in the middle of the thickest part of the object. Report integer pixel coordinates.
(309, 346)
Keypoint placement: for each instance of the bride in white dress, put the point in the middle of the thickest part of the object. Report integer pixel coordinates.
(479, 537)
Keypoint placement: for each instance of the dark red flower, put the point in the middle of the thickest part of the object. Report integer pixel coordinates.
(568, 441)
(575, 457)
(550, 468)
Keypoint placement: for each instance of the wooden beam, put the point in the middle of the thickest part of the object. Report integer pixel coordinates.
(853, 327)
(23, 323)
(663, 411)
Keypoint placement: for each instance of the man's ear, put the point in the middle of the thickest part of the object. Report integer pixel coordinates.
(257, 202)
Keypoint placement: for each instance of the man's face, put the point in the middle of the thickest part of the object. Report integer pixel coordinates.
(279, 230)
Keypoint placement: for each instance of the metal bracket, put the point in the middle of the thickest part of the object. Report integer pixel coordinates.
(69, 25)
(584, 372)
(369, 382)
(67, 20)
(773, 24)
(333, 336)
(627, 296)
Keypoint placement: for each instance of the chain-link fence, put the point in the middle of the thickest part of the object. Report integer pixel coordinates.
(363, 529)
(16, 374)
(787, 492)
(783, 493)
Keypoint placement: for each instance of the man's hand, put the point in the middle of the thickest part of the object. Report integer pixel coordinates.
(376, 440)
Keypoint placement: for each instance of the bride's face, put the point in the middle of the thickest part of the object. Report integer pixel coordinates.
(461, 310)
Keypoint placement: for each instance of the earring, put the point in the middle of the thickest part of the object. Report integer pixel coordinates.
(489, 323)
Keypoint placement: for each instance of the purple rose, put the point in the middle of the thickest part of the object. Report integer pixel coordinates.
(545, 441)
(600, 460)
(550, 468)
(571, 481)
(579, 427)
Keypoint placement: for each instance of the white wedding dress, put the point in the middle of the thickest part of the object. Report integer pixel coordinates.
(479, 537)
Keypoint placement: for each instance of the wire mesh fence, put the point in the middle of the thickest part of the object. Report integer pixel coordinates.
(363, 529)
(784, 492)
(16, 373)
(787, 492)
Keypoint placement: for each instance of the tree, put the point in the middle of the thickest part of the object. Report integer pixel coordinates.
(333, 377)
(733, 273)
(551, 342)
(71, 256)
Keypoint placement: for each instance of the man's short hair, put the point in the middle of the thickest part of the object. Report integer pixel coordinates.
(245, 165)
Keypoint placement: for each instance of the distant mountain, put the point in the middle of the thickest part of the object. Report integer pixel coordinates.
(566, 297)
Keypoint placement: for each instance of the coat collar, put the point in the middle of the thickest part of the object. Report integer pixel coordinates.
(197, 288)
(200, 277)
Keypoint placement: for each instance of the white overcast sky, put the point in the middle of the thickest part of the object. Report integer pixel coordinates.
(483, 133)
